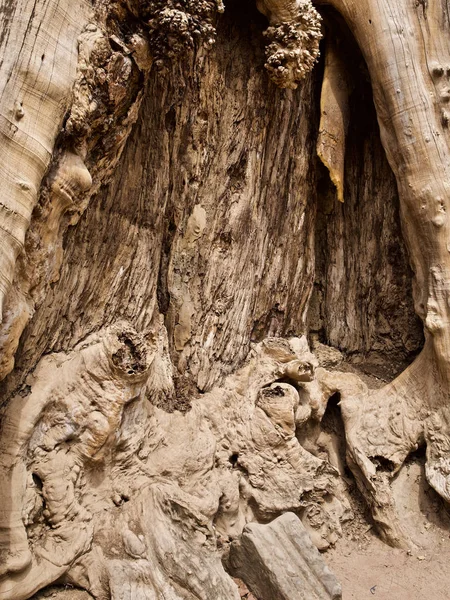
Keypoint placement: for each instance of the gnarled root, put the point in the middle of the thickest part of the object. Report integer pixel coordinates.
(383, 427)
(166, 549)
(65, 419)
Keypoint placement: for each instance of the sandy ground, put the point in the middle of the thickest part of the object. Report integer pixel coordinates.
(368, 569)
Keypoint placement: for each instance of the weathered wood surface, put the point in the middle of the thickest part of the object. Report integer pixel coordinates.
(220, 136)
(406, 48)
(38, 60)
(278, 560)
(200, 251)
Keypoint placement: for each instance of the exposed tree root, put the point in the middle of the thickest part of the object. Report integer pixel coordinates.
(384, 426)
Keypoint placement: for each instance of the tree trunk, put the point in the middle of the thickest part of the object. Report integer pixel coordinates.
(171, 243)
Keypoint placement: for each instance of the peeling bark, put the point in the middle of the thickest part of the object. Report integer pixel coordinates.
(334, 117)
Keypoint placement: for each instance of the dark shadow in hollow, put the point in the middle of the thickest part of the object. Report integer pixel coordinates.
(362, 300)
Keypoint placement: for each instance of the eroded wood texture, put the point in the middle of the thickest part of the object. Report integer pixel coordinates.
(406, 49)
(38, 62)
(211, 218)
(222, 138)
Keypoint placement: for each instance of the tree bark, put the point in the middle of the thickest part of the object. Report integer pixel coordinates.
(158, 388)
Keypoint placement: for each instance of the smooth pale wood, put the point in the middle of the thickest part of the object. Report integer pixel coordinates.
(38, 59)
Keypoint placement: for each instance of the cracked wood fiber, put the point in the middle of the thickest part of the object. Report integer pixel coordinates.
(221, 137)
